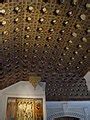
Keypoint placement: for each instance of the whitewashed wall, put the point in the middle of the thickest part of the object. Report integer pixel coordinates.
(22, 89)
(87, 77)
(79, 109)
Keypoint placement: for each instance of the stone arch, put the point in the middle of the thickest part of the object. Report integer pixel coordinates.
(69, 114)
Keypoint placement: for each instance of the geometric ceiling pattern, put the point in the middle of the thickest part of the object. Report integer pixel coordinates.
(49, 38)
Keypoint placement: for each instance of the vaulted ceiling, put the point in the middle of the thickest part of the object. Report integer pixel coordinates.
(48, 38)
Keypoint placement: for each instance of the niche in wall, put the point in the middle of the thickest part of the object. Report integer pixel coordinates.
(20, 95)
(66, 118)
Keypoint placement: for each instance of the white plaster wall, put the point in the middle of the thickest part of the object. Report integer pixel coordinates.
(87, 77)
(80, 109)
(22, 89)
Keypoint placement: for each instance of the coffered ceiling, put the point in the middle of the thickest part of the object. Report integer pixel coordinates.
(48, 38)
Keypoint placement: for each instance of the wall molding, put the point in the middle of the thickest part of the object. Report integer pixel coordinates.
(70, 114)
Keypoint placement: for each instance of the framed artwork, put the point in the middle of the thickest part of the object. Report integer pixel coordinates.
(24, 109)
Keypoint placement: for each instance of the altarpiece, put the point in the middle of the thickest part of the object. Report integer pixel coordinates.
(24, 109)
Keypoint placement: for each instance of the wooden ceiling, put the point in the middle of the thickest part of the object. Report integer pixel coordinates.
(48, 38)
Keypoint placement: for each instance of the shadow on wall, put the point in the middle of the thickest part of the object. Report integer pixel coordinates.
(66, 118)
(1, 1)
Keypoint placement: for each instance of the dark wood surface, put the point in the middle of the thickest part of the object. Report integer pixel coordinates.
(59, 53)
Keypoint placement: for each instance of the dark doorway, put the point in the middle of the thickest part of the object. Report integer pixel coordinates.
(3, 1)
(66, 118)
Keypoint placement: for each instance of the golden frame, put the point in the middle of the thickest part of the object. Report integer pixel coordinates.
(24, 109)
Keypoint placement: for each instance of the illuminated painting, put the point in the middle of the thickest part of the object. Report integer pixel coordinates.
(24, 109)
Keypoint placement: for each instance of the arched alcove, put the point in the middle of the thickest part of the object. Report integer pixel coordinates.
(66, 114)
(66, 118)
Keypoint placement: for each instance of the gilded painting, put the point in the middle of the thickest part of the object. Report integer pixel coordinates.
(24, 109)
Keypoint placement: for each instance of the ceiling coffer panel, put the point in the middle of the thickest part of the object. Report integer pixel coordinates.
(48, 38)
